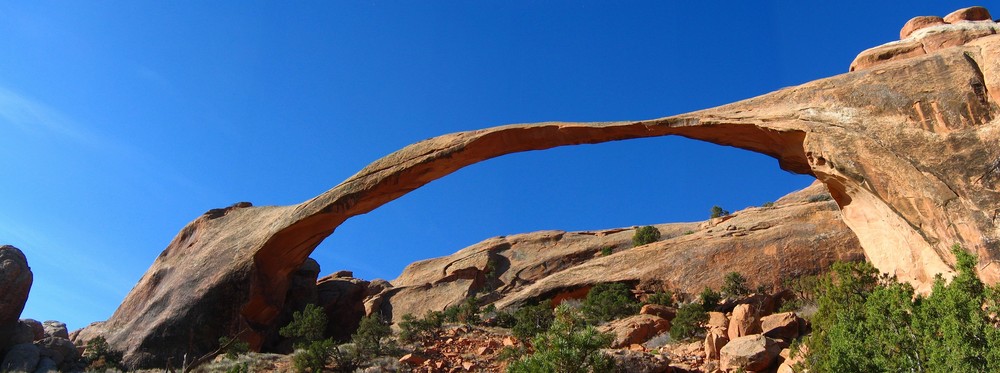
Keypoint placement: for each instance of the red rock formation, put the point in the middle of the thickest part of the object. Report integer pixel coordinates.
(765, 244)
(907, 149)
(15, 283)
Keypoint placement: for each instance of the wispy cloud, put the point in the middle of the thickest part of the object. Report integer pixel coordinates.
(33, 117)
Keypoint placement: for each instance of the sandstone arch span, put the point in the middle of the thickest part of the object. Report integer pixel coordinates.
(908, 151)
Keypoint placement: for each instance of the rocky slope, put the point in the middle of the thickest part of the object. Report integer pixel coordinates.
(802, 233)
(907, 149)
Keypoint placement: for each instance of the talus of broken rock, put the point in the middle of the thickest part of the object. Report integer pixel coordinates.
(908, 150)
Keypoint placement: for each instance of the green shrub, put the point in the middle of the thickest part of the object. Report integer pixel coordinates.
(100, 357)
(313, 356)
(607, 251)
(734, 285)
(767, 204)
(306, 329)
(532, 320)
(871, 322)
(570, 346)
(370, 340)
(306, 326)
(608, 301)
(688, 322)
(663, 298)
(412, 329)
(645, 235)
(717, 212)
(235, 348)
(820, 198)
(466, 312)
(709, 299)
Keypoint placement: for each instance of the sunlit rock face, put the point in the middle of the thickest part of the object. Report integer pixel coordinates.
(800, 234)
(907, 147)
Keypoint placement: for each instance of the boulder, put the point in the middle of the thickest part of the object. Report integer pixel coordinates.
(714, 343)
(919, 22)
(907, 151)
(665, 312)
(783, 326)
(21, 357)
(342, 298)
(21, 332)
(46, 365)
(37, 329)
(927, 34)
(718, 323)
(58, 349)
(636, 329)
(15, 283)
(639, 362)
(55, 329)
(750, 353)
(743, 322)
(974, 13)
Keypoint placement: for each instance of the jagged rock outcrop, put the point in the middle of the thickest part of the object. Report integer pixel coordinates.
(907, 148)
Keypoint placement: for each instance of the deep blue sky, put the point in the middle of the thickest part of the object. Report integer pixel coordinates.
(122, 121)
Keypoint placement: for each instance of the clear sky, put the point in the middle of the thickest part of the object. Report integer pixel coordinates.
(121, 121)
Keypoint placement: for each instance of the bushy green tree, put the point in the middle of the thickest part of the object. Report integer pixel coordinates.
(100, 357)
(466, 312)
(869, 322)
(532, 320)
(412, 329)
(734, 285)
(663, 298)
(688, 322)
(709, 299)
(371, 338)
(645, 235)
(717, 212)
(952, 321)
(608, 301)
(306, 328)
(571, 345)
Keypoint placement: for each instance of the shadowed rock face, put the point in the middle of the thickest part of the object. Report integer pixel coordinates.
(908, 149)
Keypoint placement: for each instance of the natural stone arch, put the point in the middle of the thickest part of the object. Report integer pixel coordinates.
(906, 149)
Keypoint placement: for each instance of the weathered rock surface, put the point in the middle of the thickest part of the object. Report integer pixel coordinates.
(714, 341)
(639, 362)
(15, 283)
(21, 357)
(783, 326)
(750, 353)
(743, 322)
(801, 234)
(974, 13)
(793, 237)
(342, 297)
(54, 328)
(668, 313)
(907, 150)
(635, 329)
(927, 34)
(38, 330)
